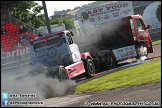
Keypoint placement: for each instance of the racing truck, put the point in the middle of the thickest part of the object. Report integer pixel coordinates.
(57, 56)
(111, 33)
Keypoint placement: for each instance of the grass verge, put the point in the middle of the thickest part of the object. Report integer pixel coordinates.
(156, 42)
(137, 75)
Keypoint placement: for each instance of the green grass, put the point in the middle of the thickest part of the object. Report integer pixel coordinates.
(146, 73)
(156, 42)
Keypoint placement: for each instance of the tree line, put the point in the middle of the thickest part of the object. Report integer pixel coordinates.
(29, 12)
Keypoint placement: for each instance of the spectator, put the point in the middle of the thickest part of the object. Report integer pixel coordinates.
(36, 38)
(3, 30)
(21, 41)
(24, 29)
(40, 34)
(1, 48)
(2, 22)
(21, 30)
(28, 37)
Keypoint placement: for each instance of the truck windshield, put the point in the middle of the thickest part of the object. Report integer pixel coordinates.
(47, 44)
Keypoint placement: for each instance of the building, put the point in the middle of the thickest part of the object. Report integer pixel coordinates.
(54, 28)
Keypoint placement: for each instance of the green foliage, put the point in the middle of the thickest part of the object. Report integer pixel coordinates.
(68, 23)
(56, 21)
(158, 13)
(21, 11)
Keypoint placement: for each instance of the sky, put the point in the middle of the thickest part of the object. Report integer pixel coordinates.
(61, 5)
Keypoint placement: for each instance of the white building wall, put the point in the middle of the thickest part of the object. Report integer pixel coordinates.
(149, 15)
(54, 28)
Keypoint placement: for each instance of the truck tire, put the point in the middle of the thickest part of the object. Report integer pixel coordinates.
(141, 50)
(63, 74)
(97, 63)
(89, 67)
(110, 61)
(58, 72)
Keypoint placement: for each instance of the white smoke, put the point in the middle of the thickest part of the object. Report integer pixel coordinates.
(17, 81)
(143, 58)
(41, 86)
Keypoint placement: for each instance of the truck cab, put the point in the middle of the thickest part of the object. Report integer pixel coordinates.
(58, 52)
(140, 32)
(55, 49)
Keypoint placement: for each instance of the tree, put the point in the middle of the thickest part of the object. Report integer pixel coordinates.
(56, 21)
(28, 12)
(68, 23)
(158, 13)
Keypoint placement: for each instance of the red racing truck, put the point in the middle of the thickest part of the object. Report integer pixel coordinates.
(57, 55)
(111, 33)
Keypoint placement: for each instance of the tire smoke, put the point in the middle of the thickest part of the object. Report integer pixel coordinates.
(41, 86)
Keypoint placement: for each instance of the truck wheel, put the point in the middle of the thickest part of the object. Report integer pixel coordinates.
(141, 50)
(63, 74)
(58, 72)
(110, 61)
(89, 67)
(97, 64)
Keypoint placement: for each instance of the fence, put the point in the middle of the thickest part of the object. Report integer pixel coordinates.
(29, 29)
(19, 23)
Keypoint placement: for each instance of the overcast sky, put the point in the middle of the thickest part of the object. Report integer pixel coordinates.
(61, 5)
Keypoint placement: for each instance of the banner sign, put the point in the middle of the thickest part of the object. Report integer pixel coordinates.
(105, 12)
(15, 53)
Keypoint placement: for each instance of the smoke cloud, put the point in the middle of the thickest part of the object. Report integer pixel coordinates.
(103, 36)
(39, 85)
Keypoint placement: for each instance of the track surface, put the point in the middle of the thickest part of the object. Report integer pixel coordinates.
(149, 94)
(127, 94)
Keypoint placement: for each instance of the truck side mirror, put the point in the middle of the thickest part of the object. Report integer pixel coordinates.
(149, 27)
(72, 33)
